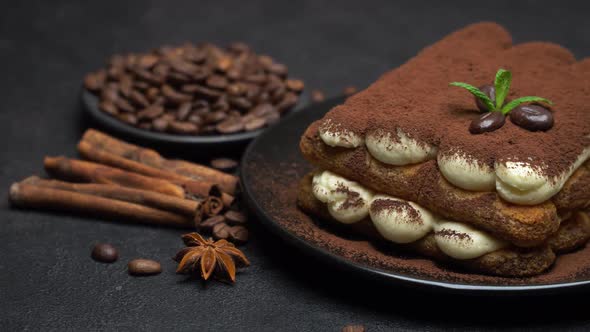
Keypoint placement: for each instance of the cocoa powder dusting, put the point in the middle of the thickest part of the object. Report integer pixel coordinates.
(417, 99)
(353, 199)
(451, 234)
(380, 205)
(277, 187)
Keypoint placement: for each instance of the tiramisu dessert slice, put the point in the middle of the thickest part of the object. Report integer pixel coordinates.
(499, 184)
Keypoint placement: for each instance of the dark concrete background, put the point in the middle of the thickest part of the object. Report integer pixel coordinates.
(48, 281)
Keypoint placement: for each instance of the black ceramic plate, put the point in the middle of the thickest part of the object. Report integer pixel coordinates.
(271, 168)
(151, 138)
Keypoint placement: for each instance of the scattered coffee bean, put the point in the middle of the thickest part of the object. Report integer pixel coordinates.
(220, 231)
(143, 267)
(206, 89)
(350, 90)
(209, 223)
(487, 122)
(317, 96)
(353, 328)
(238, 234)
(490, 91)
(532, 117)
(224, 164)
(104, 252)
(236, 217)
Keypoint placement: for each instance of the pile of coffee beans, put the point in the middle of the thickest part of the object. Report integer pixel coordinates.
(195, 89)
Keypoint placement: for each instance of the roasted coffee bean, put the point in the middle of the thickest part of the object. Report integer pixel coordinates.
(141, 86)
(95, 81)
(151, 112)
(201, 91)
(254, 124)
(145, 125)
(235, 89)
(200, 74)
(278, 69)
(104, 252)
(138, 99)
(215, 117)
(252, 91)
(224, 63)
(317, 96)
(217, 82)
(490, 91)
(272, 117)
(183, 128)
(238, 234)
(110, 93)
(532, 117)
(240, 102)
(234, 74)
(221, 105)
(147, 61)
(161, 70)
(353, 328)
(208, 224)
(128, 118)
(152, 94)
(220, 231)
(288, 102)
(224, 164)
(295, 85)
(196, 119)
(160, 124)
(108, 107)
(144, 267)
(124, 105)
(350, 90)
(175, 96)
(183, 111)
(487, 122)
(230, 126)
(238, 47)
(256, 78)
(235, 217)
(176, 78)
(263, 109)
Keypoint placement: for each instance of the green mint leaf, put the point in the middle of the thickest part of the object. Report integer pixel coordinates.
(477, 93)
(502, 85)
(511, 105)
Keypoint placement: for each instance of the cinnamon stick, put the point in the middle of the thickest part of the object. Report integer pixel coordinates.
(78, 170)
(189, 208)
(32, 196)
(103, 148)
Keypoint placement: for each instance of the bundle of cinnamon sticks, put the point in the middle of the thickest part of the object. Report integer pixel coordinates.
(122, 181)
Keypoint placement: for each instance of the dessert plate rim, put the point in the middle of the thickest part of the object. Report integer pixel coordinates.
(382, 275)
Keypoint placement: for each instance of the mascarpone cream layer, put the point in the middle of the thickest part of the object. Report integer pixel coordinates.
(398, 220)
(515, 182)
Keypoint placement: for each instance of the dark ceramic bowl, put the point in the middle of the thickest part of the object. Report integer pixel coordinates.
(211, 143)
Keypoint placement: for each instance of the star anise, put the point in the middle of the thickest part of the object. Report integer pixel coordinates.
(219, 257)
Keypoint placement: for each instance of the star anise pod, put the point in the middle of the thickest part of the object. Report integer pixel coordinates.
(219, 257)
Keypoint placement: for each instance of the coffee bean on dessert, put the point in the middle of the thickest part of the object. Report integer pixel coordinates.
(235, 217)
(143, 267)
(209, 223)
(317, 96)
(487, 122)
(532, 117)
(238, 234)
(490, 91)
(224, 164)
(104, 252)
(350, 90)
(220, 231)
